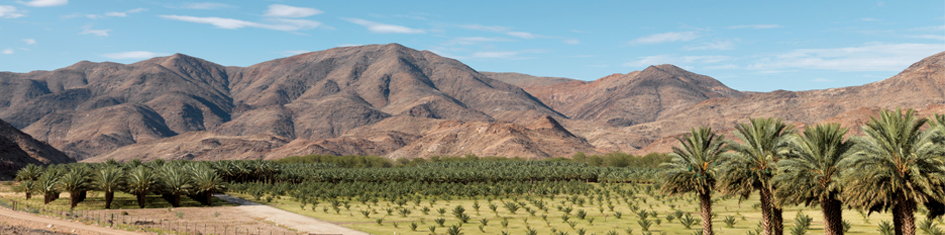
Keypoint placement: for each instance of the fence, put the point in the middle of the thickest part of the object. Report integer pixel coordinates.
(124, 221)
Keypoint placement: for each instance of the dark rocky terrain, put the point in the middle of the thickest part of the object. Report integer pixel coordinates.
(17, 149)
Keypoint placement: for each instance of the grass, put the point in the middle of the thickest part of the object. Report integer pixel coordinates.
(594, 222)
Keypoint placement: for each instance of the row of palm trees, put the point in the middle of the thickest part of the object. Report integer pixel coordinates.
(170, 179)
(897, 165)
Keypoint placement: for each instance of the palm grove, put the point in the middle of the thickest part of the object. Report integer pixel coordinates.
(897, 165)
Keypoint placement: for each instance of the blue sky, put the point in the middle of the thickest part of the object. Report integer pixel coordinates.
(748, 45)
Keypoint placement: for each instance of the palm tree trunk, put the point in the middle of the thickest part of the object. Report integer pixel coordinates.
(777, 220)
(176, 200)
(73, 199)
(208, 196)
(108, 199)
(706, 203)
(833, 217)
(48, 197)
(29, 195)
(904, 213)
(765, 196)
(141, 197)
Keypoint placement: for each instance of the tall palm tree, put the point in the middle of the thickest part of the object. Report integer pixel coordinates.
(109, 179)
(693, 169)
(895, 167)
(141, 181)
(810, 172)
(175, 182)
(206, 182)
(753, 164)
(30, 172)
(76, 181)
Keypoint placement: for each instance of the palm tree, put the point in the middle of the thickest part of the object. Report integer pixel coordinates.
(48, 185)
(30, 172)
(206, 182)
(27, 187)
(109, 179)
(753, 164)
(175, 182)
(693, 169)
(76, 182)
(809, 173)
(141, 180)
(895, 167)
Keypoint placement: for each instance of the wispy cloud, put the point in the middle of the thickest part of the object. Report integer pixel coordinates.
(571, 41)
(384, 28)
(502, 30)
(133, 55)
(666, 37)
(44, 3)
(205, 5)
(869, 57)
(928, 36)
(474, 40)
(726, 44)
(754, 26)
(228, 23)
(106, 15)
(678, 60)
(10, 12)
(7, 51)
(29, 41)
(821, 80)
(504, 54)
(279, 10)
(97, 32)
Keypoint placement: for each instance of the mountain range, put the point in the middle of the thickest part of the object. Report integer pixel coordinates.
(393, 101)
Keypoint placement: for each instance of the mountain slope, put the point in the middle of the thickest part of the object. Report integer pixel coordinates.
(17, 149)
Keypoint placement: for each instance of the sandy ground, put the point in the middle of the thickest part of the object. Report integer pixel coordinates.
(36, 224)
(289, 219)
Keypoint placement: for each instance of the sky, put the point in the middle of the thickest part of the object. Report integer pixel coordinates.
(747, 45)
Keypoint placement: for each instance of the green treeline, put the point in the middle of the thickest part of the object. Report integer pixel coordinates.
(616, 159)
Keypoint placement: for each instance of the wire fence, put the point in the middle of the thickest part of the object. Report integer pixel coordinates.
(125, 221)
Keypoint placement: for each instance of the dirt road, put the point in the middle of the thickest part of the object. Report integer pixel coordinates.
(292, 220)
(24, 219)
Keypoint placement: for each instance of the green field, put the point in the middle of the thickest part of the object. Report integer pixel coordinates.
(600, 218)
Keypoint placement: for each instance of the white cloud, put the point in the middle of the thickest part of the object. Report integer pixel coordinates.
(724, 66)
(571, 41)
(116, 14)
(278, 10)
(205, 5)
(133, 55)
(821, 80)
(136, 10)
(44, 3)
(107, 14)
(7, 51)
(678, 60)
(384, 28)
(502, 30)
(666, 37)
(928, 36)
(10, 12)
(97, 32)
(754, 26)
(29, 41)
(727, 44)
(869, 57)
(474, 40)
(227, 23)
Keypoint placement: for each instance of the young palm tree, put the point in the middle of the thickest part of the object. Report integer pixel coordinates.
(109, 179)
(753, 164)
(693, 169)
(895, 167)
(141, 181)
(48, 185)
(175, 181)
(27, 187)
(76, 182)
(206, 182)
(810, 172)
